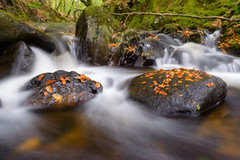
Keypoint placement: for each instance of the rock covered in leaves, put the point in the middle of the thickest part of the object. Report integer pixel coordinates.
(138, 53)
(16, 59)
(178, 91)
(94, 29)
(12, 31)
(60, 89)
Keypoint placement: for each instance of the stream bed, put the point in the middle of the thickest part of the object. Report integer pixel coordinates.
(112, 127)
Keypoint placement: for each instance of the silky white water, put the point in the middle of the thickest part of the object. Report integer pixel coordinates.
(131, 131)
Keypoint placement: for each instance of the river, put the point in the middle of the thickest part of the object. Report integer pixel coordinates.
(110, 126)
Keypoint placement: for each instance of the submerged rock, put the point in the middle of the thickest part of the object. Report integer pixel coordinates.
(60, 89)
(17, 59)
(94, 29)
(12, 31)
(178, 91)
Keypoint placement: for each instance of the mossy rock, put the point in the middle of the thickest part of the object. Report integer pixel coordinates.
(95, 28)
(178, 91)
(55, 27)
(12, 31)
(170, 28)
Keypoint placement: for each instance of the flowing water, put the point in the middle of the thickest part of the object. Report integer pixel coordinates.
(110, 126)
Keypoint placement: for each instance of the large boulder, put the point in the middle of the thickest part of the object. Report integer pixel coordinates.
(178, 91)
(60, 89)
(95, 28)
(17, 59)
(12, 31)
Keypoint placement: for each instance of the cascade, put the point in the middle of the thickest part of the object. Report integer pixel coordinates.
(111, 126)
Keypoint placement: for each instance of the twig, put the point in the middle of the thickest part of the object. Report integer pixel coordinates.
(179, 15)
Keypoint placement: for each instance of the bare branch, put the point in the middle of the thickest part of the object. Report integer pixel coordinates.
(179, 15)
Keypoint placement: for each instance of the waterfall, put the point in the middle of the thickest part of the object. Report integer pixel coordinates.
(204, 57)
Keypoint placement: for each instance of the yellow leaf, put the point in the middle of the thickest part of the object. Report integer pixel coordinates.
(57, 97)
(97, 85)
(29, 144)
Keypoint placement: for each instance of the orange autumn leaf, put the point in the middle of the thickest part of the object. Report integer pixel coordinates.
(57, 97)
(41, 77)
(45, 93)
(162, 92)
(175, 85)
(179, 81)
(97, 85)
(186, 86)
(63, 80)
(155, 83)
(180, 95)
(50, 82)
(49, 89)
(189, 79)
(144, 82)
(167, 75)
(162, 85)
(180, 75)
(210, 84)
(67, 79)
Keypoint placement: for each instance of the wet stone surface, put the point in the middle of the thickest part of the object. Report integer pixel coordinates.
(60, 89)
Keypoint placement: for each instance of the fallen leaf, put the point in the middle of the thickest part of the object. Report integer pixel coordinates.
(49, 89)
(97, 85)
(50, 82)
(29, 144)
(162, 85)
(67, 79)
(180, 75)
(186, 86)
(210, 84)
(155, 83)
(180, 95)
(63, 80)
(57, 97)
(144, 82)
(45, 93)
(41, 77)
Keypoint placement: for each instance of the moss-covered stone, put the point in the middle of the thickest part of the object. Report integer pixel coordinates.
(177, 91)
(95, 28)
(12, 31)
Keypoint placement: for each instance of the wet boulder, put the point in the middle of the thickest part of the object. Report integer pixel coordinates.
(142, 53)
(17, 59)
(60, 89)
(94, 29)
(178, 91)
(12, 31)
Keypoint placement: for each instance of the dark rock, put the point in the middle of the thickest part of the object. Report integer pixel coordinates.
(141, 53)
(17, 59)
(68, 90)
(12, 31)
(178, 91)
(94, 29)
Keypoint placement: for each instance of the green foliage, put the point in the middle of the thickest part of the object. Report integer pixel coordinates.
(198, 107)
